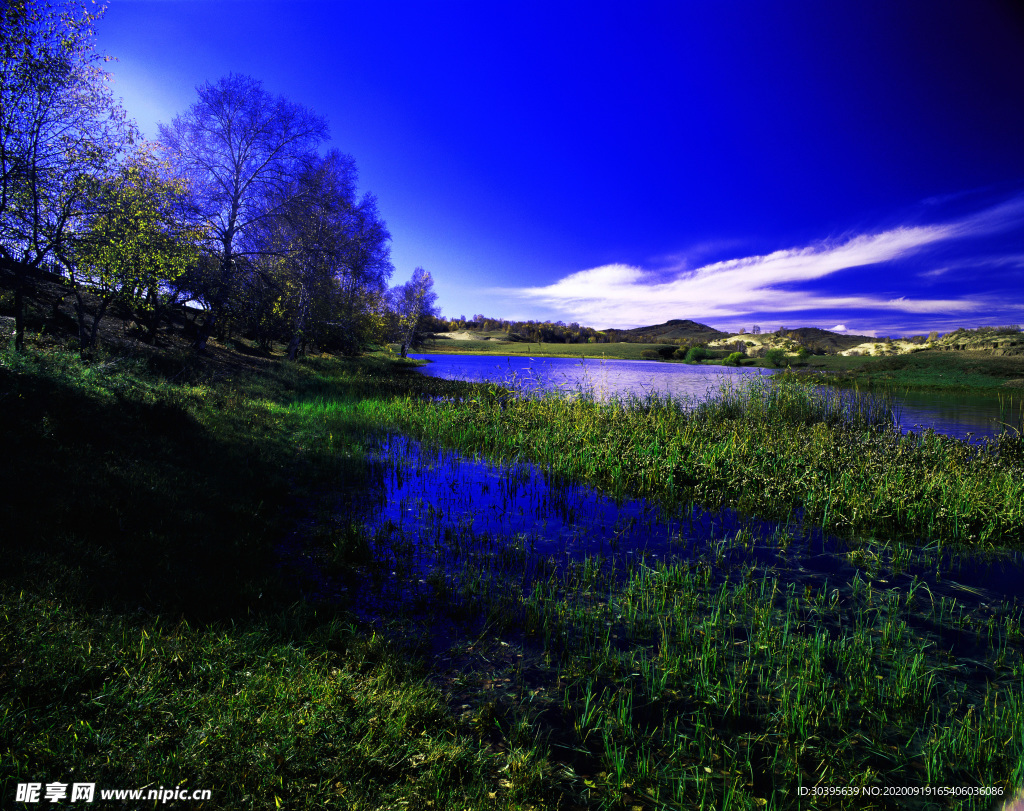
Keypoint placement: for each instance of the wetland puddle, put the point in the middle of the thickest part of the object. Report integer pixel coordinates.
(607, 629)
(429, 517)
(540, 604)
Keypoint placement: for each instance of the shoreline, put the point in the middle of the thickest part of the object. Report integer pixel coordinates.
(967, 372)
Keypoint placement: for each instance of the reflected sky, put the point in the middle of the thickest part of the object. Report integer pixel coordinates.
(443, 509)
(955, 414)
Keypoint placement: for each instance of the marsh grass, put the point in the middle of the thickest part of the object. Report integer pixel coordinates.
(716, 682)
(157, 626)
(764, 446)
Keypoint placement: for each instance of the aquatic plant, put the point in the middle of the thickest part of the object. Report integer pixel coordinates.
(765, 446)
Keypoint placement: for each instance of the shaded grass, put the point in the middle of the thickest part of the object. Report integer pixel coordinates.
(299, 711)
(136, 491)
(147, 636)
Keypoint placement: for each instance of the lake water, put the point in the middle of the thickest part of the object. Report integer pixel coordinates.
(954, 414)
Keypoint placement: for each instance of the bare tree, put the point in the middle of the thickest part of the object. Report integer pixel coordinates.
(59, 127)
(241, 150)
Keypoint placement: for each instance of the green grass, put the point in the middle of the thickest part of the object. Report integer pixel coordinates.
(767, 447)
(927, 369)
(298, 711)
(152, 634)
(684, 692)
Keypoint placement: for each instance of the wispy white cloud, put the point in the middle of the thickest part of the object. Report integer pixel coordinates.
(993, 220)
(622, 295)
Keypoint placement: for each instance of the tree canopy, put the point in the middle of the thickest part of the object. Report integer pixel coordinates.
(235, 207)
(134, 241)
(59, 125)
(321, 269)
(414, 303)
(241, 151)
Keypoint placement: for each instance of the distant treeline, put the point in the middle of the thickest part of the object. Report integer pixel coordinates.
(549, 332)
(558, 332)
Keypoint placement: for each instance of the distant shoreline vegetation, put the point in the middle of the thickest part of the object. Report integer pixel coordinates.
(985, 358)
(685, 333)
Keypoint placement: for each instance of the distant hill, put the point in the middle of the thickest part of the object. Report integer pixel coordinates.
(694, 332)
(809, 336)
(671, 331)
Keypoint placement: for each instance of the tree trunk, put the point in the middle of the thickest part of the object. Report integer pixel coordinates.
(19, 314)
(153, 325)
(80, 312)
(220, 301)
(205, 329)
(86, 334)
(96, 321)
(300, 323)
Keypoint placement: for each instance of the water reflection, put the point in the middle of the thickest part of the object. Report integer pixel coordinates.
(954, 414)
(603, 377)
(438, 511)
(958, 414)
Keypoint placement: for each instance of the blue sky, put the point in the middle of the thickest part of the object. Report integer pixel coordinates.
(849, 163)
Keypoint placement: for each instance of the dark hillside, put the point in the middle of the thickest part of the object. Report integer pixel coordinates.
(811, 336)
(670, 332)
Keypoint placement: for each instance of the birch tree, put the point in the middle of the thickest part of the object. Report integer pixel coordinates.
(59, 125)
(414, 302)
(241, 150)
(325, 259)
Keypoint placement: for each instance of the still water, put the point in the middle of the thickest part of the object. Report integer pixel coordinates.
(432, 512)
(954, 414)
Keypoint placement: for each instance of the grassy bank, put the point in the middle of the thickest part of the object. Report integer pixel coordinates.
(148, 637)
(927, 369)
(620, 350)
(164, 620)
